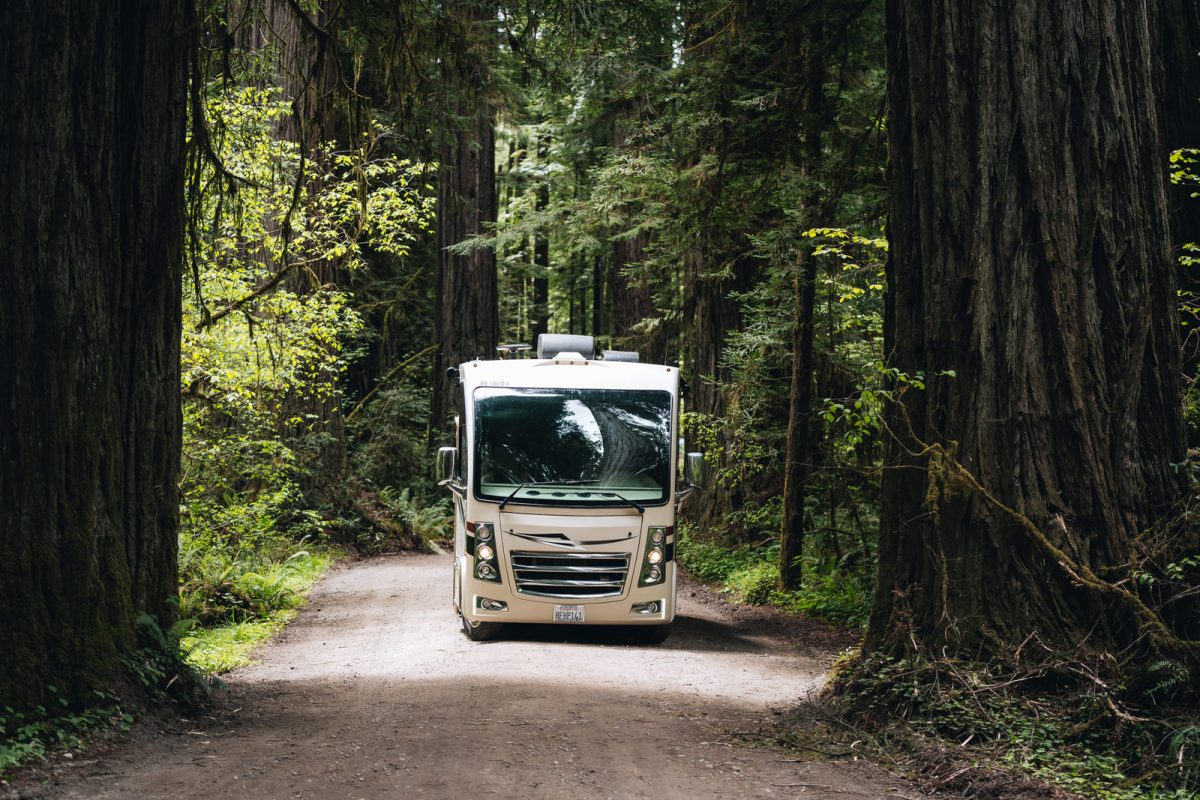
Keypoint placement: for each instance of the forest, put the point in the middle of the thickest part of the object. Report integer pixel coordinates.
(929, 270)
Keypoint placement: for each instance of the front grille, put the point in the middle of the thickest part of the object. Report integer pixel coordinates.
(576, 575)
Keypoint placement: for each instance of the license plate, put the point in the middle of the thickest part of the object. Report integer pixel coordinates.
(568, 613)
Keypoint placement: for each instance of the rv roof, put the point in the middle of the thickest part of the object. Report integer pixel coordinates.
(568, 370)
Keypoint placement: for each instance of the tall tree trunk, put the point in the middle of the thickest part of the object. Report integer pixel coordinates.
(630, 299)
(599, 325)
(798, 447)
(91, 150)
(308, 74)
(1030, 256)
(709, 314)
(796, 450)
(467, 323)
(541, 253)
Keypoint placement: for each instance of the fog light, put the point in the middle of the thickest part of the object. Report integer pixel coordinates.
(492, 605)
(485, 571)
(652, 607)
(655, 556)
(486, 553)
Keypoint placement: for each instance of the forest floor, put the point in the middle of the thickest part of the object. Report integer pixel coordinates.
(374, 692)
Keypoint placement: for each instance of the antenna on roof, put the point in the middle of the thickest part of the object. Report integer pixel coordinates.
(512, 349)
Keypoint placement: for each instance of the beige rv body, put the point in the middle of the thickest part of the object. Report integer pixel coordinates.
(563, 540)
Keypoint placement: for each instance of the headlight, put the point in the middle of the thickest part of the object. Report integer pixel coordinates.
(653, 556)
(486, 566)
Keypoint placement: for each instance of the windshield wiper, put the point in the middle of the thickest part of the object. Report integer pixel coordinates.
(641, 509)
(513, 493)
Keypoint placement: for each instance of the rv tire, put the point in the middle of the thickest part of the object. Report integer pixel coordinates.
(481, 631)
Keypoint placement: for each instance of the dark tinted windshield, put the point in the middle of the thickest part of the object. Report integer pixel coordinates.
(577, 445)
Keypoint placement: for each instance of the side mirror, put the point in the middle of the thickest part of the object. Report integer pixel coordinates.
(447, 465)
(694, 470)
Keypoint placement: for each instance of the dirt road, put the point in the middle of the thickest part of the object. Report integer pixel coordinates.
(375, 693)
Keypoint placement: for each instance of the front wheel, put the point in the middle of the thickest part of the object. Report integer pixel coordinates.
(651, 634)
(481, 631)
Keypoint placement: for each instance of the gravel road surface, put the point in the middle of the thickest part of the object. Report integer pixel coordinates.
(374, 692)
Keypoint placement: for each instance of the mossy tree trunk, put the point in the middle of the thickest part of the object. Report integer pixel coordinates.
(91, 154)
(1029, 255)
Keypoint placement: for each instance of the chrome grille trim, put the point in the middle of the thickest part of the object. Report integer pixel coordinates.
(570, 575)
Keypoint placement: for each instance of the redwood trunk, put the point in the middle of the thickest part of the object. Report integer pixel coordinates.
(1030, 255)
(798, 448)
(467, 323)
(541, 254)
(631, 301)
(91, 153)
(797, 451)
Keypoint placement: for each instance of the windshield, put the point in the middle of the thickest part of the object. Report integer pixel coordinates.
(573, 446)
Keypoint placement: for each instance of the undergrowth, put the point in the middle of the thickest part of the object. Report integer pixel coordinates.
(831, 591)
(157, 675)
(31, 737)
(226, 647)
(257, 605)
(1069, 722)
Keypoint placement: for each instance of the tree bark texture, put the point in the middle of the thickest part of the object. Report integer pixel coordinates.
(709, 314)
(91, 154)
(467, 323)
(631, 302)
(308, 71)
(630, 299)
(466, 314)
(1030, 255)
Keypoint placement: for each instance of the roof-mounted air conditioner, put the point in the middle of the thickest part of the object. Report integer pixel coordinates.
(549, 345)
(622, 355)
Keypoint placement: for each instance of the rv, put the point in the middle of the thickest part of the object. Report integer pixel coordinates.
(565, 483)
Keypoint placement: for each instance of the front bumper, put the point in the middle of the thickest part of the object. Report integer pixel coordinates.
(599, 611)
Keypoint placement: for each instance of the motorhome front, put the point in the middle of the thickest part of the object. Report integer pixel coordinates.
(565, 485)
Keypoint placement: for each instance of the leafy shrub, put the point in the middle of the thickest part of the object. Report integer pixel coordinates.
(833, 591)
(754, 584)
(26, 738)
